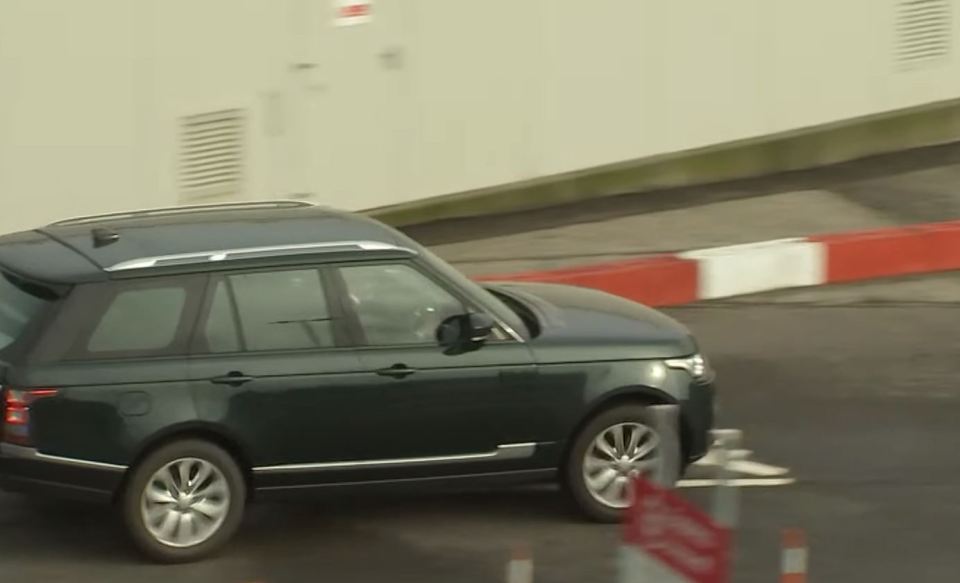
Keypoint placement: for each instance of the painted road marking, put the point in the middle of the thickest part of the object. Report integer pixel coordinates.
(757, 468)
(750, 473)
(740, 464)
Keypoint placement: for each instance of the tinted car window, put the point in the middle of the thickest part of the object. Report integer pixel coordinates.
(138, 320)
(397, 304)
(19, 305)
(463, 282)
(283, 310)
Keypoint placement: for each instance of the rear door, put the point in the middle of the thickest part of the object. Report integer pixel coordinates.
(271, 363)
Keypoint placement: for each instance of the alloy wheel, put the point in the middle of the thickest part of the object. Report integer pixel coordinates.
(185, 502)
(615, 456)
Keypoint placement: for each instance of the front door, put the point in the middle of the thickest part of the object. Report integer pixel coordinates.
(462, 407)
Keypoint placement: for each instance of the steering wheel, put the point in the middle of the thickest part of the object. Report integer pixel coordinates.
(424, 320)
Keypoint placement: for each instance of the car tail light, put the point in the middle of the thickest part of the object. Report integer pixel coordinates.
(16, 412)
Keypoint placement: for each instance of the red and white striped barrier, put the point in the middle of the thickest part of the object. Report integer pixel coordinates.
(720, 272)
(793, 567)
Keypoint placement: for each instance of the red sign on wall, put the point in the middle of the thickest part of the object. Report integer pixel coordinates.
(349, 12)
(676, 533)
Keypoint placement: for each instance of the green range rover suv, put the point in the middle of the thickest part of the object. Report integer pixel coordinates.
(181, 363)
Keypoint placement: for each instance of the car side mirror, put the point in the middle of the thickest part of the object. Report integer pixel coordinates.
(466, 332)
(480, 327)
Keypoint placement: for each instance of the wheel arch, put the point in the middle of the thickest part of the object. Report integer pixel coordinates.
(629, 395)
(211, 432)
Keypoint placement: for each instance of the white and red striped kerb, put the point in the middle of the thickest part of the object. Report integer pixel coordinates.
(720, 272)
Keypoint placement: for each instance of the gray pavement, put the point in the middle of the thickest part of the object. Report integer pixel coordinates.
(859, 401)
(902, 188)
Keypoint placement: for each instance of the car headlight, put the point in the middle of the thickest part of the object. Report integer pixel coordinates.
(696, 365)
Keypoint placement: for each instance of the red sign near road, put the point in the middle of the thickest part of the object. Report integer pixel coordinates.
(678, 534)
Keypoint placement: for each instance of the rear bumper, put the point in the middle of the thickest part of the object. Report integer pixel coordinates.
(697, 415)
(25, 470)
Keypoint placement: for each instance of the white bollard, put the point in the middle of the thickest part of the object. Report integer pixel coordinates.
(726, 501)
(666, 420)
(520, 566)
(793, 567)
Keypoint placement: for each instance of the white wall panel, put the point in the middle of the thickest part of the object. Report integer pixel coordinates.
(432, 97)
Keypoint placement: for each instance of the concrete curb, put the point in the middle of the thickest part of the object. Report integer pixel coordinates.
(813, 147)
(719, 272)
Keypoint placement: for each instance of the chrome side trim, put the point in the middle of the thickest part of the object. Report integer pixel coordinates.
(510, 331)
(172, 210)
(503, 452)
(29, 453)
(536, 472)
(272, 250)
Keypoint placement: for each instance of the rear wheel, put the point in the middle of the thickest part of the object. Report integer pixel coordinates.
(184, 501)
(609, 451)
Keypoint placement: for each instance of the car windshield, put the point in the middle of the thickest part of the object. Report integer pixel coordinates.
(20, 303)
(502, 309)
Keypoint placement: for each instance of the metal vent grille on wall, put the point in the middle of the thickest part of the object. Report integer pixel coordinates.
(924, 30)
(211, 154)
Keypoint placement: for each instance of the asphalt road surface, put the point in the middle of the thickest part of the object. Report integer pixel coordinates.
(861, 402)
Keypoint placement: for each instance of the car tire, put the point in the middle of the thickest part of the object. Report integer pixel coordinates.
(584, 487)
(204, 511)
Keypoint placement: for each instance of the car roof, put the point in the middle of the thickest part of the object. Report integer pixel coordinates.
(98, 247)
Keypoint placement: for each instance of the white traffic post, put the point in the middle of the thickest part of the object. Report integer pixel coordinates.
(726, 497)
(793, 567)
(520, 567)
(666, 420)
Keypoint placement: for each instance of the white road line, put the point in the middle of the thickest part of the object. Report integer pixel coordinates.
(757, 468)
(743, 482)
(739, 463)
(712, 457)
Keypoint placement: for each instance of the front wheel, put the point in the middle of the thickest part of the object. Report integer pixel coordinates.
(184, 501)
(615, 446)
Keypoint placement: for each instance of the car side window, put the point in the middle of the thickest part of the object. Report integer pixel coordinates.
(277, 310)
(396, 304)
(139, 320)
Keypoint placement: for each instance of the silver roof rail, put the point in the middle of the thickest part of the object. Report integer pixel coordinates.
(253, 252)
(173, 210)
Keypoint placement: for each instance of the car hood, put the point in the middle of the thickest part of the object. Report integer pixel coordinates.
(594, 325)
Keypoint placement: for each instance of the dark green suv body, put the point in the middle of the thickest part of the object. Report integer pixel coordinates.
(180, 362)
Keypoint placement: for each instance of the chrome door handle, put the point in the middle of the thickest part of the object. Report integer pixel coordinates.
(234, 379)
(397, 371)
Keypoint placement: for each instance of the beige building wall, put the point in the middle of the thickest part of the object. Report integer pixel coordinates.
(110, 104)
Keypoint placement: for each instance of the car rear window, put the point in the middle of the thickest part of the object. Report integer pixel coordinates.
(139, 320)
(20, 303)
(136, 318)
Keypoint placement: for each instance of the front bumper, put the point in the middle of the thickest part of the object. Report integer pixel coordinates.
(697, 416)
(24, 470)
